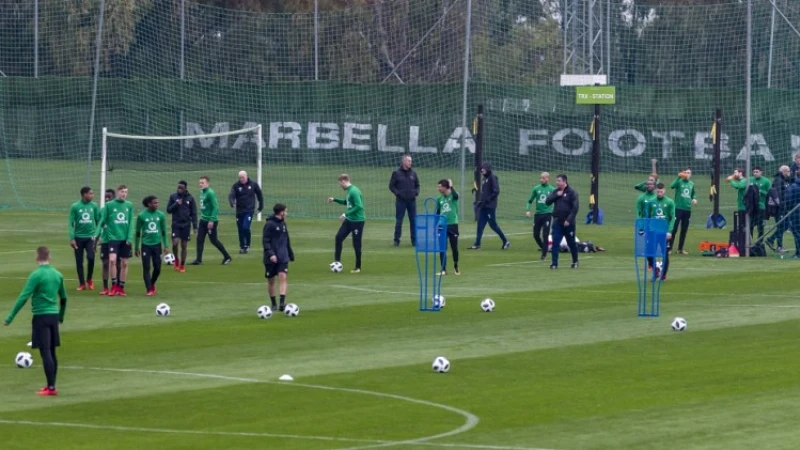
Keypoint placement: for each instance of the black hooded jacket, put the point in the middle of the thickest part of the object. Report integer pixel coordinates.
(490, 188)
(275, 239)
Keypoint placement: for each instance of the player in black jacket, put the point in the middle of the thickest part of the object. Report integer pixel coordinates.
(244, 194)
(565, 209)
(487, 207)
(184, 221)
(277, 252)
(404, 184)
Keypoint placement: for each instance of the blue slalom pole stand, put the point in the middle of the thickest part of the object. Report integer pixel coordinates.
(650, 247)
(431, 243)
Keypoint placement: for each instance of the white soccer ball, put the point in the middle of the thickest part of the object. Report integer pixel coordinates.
(291, 310)
(264, 312)
(438, 301)
(679, 324)
(169, 258)
(441, 364)
(23, 360)
(336, 267)
(162, 309)
(487, 305)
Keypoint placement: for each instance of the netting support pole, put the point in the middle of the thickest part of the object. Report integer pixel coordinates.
(316, 45)
(36, 38)
(97, 44)
(467, 42)
(747, 131)
(595, 181)
(717, 139)
(771, 43)
(103, 165)
(259, 170)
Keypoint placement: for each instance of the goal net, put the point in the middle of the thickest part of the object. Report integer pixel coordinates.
(153, 165)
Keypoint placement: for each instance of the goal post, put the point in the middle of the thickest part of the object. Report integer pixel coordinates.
(138, 166)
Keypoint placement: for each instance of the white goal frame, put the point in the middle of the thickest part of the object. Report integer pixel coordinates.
(107, 134)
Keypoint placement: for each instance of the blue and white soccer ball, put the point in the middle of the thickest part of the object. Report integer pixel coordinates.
(162, 309)
(169, 258)
(23, 360)
(440, 365)
(264, 312)
(336, 267)
(291, 310)
(487, 305)
(438, 301)
(679, 324)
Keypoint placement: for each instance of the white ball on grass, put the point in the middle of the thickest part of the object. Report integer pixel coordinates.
(487, 305)
(264, 312)
(679, 324)
(162, 309)
(291, 310)
(336, 267)
(440, 300)
(23, 360)
(440, 365)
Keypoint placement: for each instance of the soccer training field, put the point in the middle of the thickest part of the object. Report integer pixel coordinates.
(562, 363)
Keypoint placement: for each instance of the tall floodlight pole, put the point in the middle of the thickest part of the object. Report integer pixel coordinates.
(467, 42)
(97, 45)
(747, 120)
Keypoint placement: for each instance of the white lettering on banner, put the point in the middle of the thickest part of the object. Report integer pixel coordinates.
(617, 135)
(624, 143)
(704, 149)
(413, 142)
(331, 135)
(349, 135)
(558, 142)
(455, 141)
(526, 140)
(251, 137)
(666, 141)
(193, 129)
(758, 146)
(382, 147)
(276, 133)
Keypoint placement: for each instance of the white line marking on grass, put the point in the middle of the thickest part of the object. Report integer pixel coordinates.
(18, 251)
(471, 420)
(192, 432)
(528, 262)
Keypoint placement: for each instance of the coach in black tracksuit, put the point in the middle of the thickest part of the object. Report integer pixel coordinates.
(404, 184)
(565, 209)
(243, 196)
(183, 209)
(277, 252)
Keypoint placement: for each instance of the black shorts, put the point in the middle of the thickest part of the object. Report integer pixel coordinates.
(44, 331)
(104, 250)
(120, 248)
(452, 230)
(183, 233)
(271, 269)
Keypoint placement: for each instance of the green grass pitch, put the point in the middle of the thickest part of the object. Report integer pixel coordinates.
(563, 363)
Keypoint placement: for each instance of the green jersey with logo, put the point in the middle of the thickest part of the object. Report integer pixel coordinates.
(644, 201)
(46, 285)
(684, 193)
(117, 217)
(209, 208)
(447, 205)
(539, 195)
(151, 228)
(741, 187)
(663, 208)
(355, 204)
(764, 185)
(83, 219)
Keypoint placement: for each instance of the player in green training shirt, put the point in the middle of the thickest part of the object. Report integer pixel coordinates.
(643, 203)
(84, 216)
(684, 200)
(663, 208)
(764, 185)
(49, 304)
(447, 205)
(544, 212)
(117, 219)
(352, 220)
(151, 232)
(209, 223)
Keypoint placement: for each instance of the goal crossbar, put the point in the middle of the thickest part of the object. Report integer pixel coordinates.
(258, 129)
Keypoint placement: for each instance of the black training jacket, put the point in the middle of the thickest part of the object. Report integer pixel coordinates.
(244, 197)
(404, 184)
(275, 238)
(566, 206)
(184, 214)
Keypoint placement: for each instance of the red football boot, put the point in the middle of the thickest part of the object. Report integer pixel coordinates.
(47, 392)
